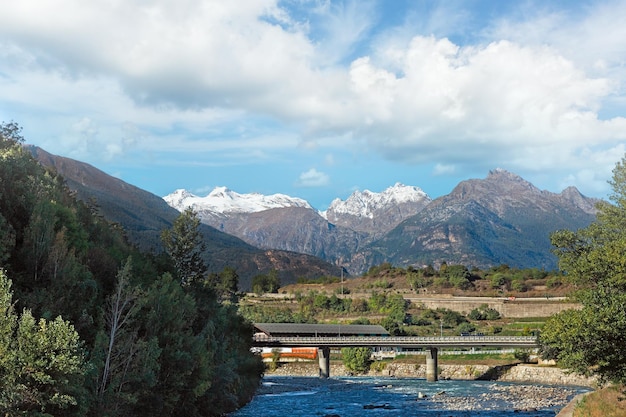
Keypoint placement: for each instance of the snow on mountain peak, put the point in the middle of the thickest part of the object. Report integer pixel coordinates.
(224, 201)
(365, 203)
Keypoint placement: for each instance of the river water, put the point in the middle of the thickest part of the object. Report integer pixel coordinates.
(381, 397)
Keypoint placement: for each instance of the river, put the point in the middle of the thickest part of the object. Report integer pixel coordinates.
(281, 396)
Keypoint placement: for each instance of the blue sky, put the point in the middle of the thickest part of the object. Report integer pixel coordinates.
(317, 98)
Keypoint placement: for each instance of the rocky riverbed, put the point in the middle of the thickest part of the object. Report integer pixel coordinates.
(513, 397)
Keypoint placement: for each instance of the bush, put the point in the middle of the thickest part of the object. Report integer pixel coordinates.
(499, 281)
(484, 312)
(357, 359)
(466, 328)
(554, 282)
(382, 283)
(522, 355)
(519, 285)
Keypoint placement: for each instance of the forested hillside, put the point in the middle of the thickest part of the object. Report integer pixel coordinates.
(143, 216)
(91, 326)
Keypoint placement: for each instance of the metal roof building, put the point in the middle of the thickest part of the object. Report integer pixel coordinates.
(319, 330)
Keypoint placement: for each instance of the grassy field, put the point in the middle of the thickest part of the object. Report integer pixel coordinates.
(603, 403)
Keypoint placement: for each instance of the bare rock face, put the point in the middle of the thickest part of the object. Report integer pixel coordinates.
(501, 219)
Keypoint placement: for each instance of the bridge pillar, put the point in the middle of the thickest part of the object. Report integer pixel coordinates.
(431, 365)
(323, 354)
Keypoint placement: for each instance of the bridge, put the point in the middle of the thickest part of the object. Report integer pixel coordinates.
(430, 344)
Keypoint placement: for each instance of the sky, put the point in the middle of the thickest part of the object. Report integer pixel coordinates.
(318, 98)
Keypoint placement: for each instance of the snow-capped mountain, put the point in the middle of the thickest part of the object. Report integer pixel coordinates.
(224, 201)
(377, 213)
(367, 203)
(287, 223)
(500, 219)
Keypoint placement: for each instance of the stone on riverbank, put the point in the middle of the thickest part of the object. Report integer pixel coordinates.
(515, 397)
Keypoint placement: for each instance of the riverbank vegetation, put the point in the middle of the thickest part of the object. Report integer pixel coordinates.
(594, 259)
(90, 326)
(605, 402)
(390, 296)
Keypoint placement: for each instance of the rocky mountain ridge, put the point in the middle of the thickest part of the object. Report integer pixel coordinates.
(293, 225)
(376, 213)
(482, 222)
(500, 219)
(222, 201)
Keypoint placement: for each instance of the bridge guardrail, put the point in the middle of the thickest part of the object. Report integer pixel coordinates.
(397, 341)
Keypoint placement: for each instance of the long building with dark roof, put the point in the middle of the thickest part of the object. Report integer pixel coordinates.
(318, 330)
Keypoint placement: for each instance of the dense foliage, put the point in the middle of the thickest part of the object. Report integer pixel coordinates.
(266, 283)
(357, 359)
(42, 362)
(106, 330)
(589, 341)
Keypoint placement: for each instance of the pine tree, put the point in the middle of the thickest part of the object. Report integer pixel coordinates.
(184, 243)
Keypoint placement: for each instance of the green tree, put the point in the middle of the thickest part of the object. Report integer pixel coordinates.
(466, 328)
(225, 284)
(168, 316)
(458, 275)
(522, 355)
(484, 312)
(184, 243)
(357, 359)
(42, 365)
(10, 134)
(418, 280)
(594, 258)
(127, 362)
(266, 283)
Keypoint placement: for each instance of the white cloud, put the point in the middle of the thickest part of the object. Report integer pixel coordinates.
(525, 107)
(245, 80)
(313, 178)
(443, 169)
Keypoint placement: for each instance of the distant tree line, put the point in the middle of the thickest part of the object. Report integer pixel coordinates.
(90, 326)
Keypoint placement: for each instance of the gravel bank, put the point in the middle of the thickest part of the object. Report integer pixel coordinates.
(514, 397)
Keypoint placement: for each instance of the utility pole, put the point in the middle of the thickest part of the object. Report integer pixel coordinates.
(342, 280)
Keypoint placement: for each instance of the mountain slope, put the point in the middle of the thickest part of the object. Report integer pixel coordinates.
(501, 219)
(144, 215)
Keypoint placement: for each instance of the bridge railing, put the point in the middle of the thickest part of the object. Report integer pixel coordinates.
(397, 341)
